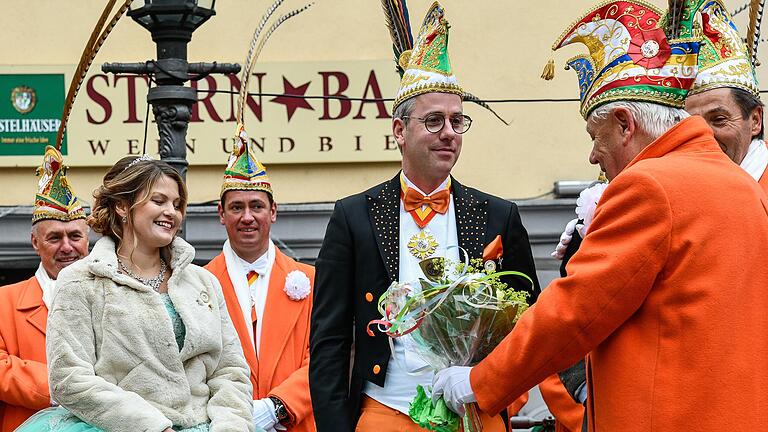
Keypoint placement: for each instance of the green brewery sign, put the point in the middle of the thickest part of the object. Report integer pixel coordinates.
(30, 113)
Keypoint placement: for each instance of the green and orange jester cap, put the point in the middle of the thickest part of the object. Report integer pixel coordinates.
(427, 66)
(55, 198)
(244, 171)
(724, 60)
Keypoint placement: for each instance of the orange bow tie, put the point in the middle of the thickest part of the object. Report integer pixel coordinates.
(438, 202)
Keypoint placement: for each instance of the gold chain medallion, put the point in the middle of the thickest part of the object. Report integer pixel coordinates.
(422, 245)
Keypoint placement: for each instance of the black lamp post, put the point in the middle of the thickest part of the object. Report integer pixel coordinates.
(172, 23)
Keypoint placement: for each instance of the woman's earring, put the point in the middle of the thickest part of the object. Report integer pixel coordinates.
(125, 219)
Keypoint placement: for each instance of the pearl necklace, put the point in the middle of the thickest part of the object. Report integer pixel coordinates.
(154, 282)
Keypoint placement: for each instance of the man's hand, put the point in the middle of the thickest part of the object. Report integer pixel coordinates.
(453, 385)
(264, 414)
(565, 240)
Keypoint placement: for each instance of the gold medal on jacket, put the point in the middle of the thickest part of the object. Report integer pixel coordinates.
(422, 244)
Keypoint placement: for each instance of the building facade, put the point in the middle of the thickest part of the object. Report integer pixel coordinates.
(318, 149)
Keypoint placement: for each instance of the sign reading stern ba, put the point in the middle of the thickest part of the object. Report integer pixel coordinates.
(298, 113)
(30, 112)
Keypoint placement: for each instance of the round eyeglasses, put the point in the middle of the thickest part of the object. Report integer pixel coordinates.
(436, 122)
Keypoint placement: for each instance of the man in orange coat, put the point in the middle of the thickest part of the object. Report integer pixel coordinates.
(268, 296)
(725, 93)
(654, 311)
(60, 237)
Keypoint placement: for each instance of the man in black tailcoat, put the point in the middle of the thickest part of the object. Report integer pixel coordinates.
(379, 236)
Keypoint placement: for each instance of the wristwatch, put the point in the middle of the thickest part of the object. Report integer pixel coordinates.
(280, 411)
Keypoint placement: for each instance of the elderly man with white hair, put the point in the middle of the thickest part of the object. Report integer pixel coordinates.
(726, 94)
(653, 312)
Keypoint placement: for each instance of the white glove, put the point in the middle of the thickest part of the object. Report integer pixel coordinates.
(453, 385)
(264, 414)
(565, 240)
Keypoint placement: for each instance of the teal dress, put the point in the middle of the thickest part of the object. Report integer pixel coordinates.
(59, 419)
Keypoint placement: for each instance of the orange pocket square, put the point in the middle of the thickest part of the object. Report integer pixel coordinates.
(494, 250)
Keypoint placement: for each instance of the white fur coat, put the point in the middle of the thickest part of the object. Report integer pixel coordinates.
(112, 355)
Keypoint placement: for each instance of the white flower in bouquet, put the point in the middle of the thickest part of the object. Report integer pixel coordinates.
(396, 296)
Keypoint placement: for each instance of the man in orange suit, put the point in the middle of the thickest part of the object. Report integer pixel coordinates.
(653, 310)
(268, 296)
(60, 237)
(725, 93)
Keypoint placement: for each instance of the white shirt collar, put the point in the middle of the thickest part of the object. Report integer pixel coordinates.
(413, 186)
(261, 265)
(47, 284)
(756, 160)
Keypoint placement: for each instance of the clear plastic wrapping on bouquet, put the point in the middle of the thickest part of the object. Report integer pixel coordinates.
(456, 318)
(462, 330)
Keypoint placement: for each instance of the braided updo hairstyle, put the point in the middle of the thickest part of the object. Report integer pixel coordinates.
(132, 185)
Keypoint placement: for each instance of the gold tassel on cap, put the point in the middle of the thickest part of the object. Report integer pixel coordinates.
(549, 70)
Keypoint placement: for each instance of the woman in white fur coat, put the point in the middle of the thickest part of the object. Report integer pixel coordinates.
(139, 338)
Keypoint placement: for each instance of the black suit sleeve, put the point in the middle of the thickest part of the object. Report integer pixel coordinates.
(570, 251)
(331, 327)
(518, 256)
(573, 378)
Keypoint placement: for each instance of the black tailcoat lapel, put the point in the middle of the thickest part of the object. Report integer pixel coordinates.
(471, 219)
(384, 213)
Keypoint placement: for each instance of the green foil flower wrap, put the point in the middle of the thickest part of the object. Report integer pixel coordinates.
(435, 417)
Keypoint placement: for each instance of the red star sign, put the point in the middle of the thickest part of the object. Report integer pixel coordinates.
(293, 103)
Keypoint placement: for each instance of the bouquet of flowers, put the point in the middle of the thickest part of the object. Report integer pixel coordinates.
(456, 317)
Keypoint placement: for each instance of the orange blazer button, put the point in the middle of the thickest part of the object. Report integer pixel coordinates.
(376, 369)
(369, 297)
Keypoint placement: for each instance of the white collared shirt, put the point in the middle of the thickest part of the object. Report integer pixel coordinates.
(238, 270)
(47, 284)
(406, 369)
(756, 159)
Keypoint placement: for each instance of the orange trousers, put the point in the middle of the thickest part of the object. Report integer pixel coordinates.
(376, 417)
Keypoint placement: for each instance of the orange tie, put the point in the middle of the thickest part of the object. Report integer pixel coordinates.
(438, 201)
(252, 277)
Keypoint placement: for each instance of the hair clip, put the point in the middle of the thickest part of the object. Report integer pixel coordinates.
(144, 157)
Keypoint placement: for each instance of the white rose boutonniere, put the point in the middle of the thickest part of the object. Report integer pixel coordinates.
(586, 205)
(297, 285)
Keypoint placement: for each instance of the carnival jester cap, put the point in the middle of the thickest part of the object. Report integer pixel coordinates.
(723, 57)
(244, 171)
(629, 57)
(427, 66)
(54, 198)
